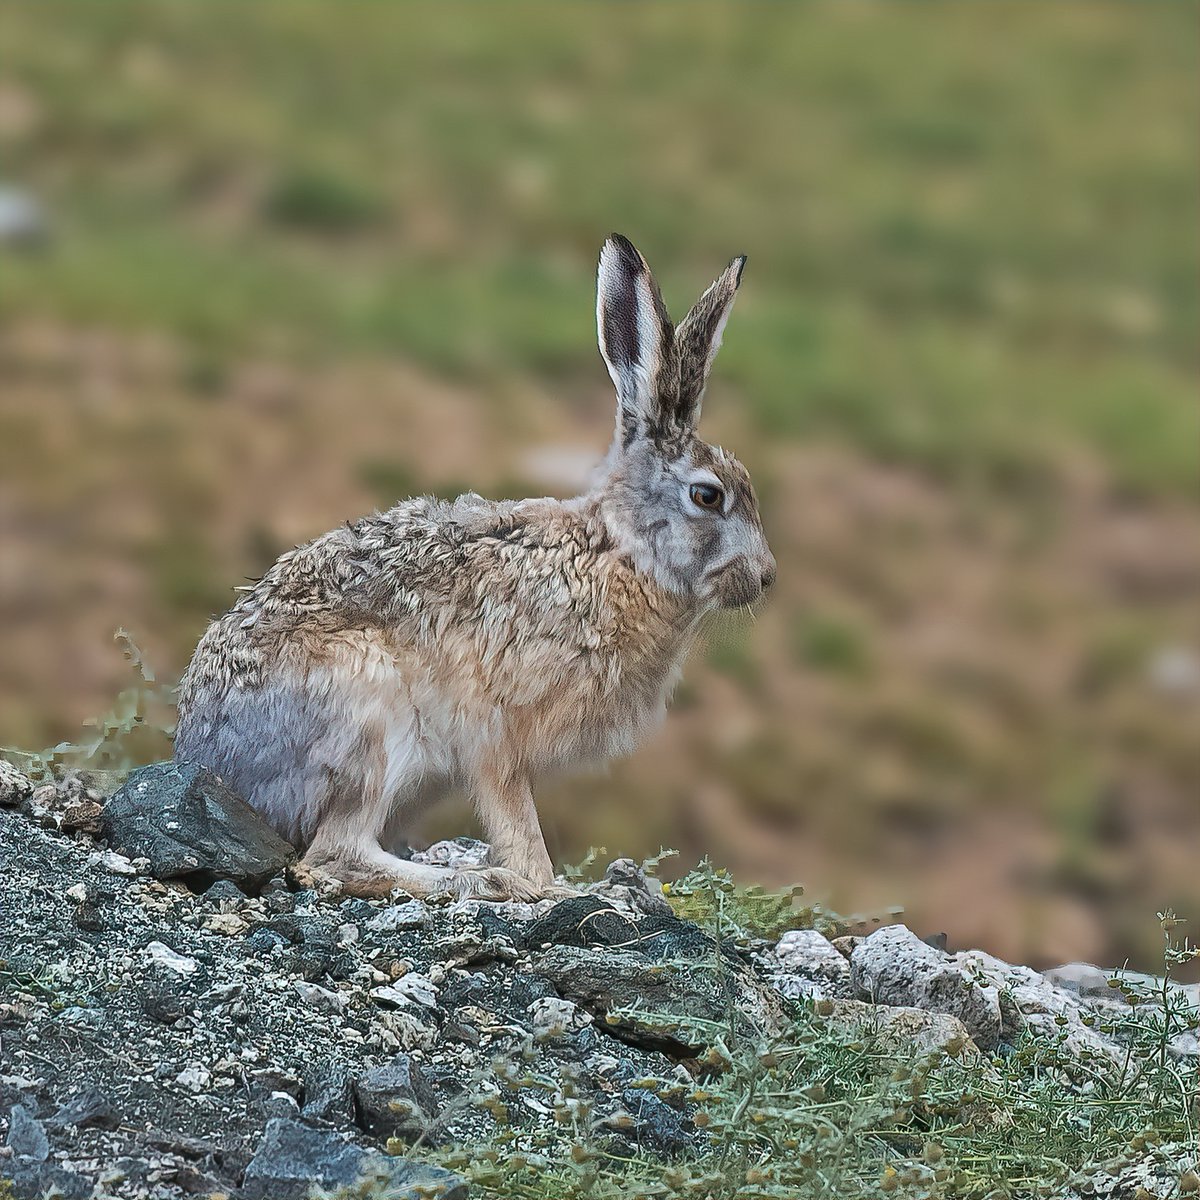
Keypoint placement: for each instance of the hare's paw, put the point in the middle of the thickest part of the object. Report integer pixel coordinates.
(303, 874)
(500, 884)
(558, 891)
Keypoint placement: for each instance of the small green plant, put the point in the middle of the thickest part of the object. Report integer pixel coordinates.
(137, 729)
(708, 896)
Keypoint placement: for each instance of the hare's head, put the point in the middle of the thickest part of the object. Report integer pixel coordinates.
(684, 510)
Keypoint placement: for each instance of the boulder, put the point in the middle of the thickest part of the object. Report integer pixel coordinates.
(189, 825)
(293, 1158)
(26, 1136)
(395, 1100)
(805, 964)
(31, 1180)
(678, 1009)
(895, 967)
(1031, 1003)
(87, 1108)
(328, 1093)
(904, 1030)
(15, 788)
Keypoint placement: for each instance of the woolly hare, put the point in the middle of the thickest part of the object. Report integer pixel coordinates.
(480, 644)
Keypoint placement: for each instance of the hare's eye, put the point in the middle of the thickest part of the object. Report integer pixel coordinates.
(706, 495)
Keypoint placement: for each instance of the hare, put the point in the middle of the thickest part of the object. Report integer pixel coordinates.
(480, 644)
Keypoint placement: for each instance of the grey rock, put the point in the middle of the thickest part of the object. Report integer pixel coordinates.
(658, 1126)
(678, 1010)
(395, 1100)
(225, 895)
(328, 1094)
(411, 915)
(293, 1157)
(271, 1079)
(280, 1104)
(88, 1108)
(44, 1181)
(1081, 978)
(893, 966)
(264, 941)
(190, 826)
(552, 1018)
(1029, 1002)
(15, 788)
(457, 853)
(322, 999)
(583, 921)
(525, 990)
(26, 1136)
(1153, 1172)
(904, 1030)
(627, 886)
(805, 964)
(164, 1004)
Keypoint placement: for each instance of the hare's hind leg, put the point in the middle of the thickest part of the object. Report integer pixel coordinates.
(365, 869)
(369, 871)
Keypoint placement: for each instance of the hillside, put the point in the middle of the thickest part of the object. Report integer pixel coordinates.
(162, 1040)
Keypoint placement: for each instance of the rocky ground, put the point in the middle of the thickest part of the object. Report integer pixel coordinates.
(177, 1019)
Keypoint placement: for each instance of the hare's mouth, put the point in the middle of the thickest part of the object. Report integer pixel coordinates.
(734, 584)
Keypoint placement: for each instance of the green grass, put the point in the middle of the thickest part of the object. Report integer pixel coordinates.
(971, 231)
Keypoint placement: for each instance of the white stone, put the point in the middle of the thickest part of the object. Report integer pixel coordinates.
(409, 989)
(322, 999)
(164, 956)
(412, 915)
(551, 1017)
(195, 1078)
(893, 966)
(118, 864)
(457, 853)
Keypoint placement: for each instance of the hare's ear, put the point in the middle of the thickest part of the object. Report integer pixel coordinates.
(636, 340)
(699, 338)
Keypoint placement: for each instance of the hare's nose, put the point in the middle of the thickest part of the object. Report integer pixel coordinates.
(769, 571)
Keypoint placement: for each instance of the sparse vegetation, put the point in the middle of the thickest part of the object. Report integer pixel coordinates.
(827, 1111)
(136, 729)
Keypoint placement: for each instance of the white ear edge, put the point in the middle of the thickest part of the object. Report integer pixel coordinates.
(628, 326)
(718, 334)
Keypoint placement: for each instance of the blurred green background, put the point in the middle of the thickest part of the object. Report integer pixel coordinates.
(282, 263)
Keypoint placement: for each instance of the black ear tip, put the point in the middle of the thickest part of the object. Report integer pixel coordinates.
(626, 249)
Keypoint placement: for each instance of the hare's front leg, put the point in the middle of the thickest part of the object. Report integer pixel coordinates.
(504, 802)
